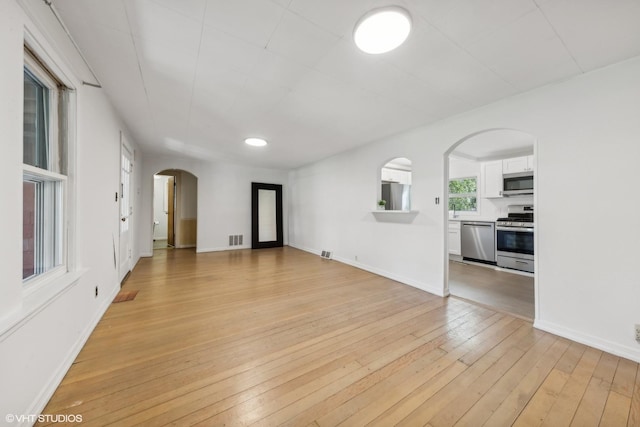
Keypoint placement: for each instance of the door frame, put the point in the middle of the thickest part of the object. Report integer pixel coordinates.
(123, 270)
(255, 237)
(171, 211)
(445, 212)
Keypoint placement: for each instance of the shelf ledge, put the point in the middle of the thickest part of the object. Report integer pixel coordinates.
(394, 212)
(400, 217)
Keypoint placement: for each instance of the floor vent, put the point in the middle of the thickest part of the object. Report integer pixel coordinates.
(236, 239)
(326, 254)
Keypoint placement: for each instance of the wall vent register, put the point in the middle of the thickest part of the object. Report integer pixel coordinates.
(235, 240)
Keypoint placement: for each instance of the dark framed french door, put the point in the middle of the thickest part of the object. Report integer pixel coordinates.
(266, 215)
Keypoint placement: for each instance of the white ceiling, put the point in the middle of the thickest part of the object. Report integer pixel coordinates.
(196, 77)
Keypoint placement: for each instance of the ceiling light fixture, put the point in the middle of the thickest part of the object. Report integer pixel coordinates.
(382, 30)
(255, 142)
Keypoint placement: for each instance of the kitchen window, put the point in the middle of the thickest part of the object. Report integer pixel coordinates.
(44, 178)
(463, 194)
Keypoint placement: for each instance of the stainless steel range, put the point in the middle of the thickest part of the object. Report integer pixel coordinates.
(514, 238)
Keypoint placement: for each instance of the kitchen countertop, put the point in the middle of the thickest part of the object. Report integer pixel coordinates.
(472, 218)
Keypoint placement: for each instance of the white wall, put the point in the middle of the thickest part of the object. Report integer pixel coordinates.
(587, 139)
(159, 206)
(11, 58)
(188, 196)
(224, 199)
(42, 332)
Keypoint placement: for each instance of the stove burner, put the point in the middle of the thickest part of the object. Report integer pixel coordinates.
(517, 216)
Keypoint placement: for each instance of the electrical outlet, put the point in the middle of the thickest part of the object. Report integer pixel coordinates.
(638, 332)
(96, 292)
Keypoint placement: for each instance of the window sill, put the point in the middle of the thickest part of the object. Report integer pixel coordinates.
(35, 301)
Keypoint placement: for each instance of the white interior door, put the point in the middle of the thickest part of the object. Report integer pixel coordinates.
(126, 210)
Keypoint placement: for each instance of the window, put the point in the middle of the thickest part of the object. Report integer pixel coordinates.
(44, 178)
(463, 194)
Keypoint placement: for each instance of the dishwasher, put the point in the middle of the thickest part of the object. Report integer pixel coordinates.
(478, 241)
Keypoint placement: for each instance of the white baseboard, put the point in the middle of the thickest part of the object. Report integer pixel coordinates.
(146, 254)
(590, 340)
(223, 248)
(43, 398)
(405, 280)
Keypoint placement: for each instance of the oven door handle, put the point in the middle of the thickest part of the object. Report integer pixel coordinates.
(525, 230)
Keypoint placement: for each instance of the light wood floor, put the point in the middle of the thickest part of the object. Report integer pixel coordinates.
(281, 337)
(508, 292)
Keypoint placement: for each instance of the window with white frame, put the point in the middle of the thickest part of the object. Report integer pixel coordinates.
(44, 179)
(463, 194)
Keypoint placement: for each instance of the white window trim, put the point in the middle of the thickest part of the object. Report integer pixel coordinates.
(34, 283)
(476, 194)
(53, 85)
(38, 291)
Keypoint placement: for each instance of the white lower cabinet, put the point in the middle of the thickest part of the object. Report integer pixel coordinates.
(455, 248)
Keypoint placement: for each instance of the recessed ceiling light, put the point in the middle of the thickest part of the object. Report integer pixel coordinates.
(255, 142)
(382, 30)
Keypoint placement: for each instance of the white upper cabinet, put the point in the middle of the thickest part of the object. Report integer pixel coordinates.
(518, 164)
(395, 175)
(492, 179)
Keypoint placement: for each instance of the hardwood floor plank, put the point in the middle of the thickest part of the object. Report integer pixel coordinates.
(540, 358)
(283, 337)
(567, 403)
(452, 412)
(624, 380)
(430, 407)
(616, 411)
(538, 407)
(591, 406)
(634, 412)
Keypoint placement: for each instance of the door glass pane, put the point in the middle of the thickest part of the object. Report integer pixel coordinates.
(267, 230)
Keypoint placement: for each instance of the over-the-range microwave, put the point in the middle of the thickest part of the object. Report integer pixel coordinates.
(517, 184)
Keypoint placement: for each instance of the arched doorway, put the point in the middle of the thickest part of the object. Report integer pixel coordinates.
(478, 267)
(175, 209)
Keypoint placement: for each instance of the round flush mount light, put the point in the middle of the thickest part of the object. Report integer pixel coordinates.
(382, 30)
(255, 142)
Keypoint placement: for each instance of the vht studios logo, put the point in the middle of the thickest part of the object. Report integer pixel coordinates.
(43, 418)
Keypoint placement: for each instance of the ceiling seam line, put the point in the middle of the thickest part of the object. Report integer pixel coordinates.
(462, 48)
(284, 10)
(546, 18)
(195, 71)
(144, 85)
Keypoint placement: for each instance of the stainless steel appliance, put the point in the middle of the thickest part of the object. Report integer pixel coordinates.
(477, 240)
(514, 238)
(517, 184)
(397, 196)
